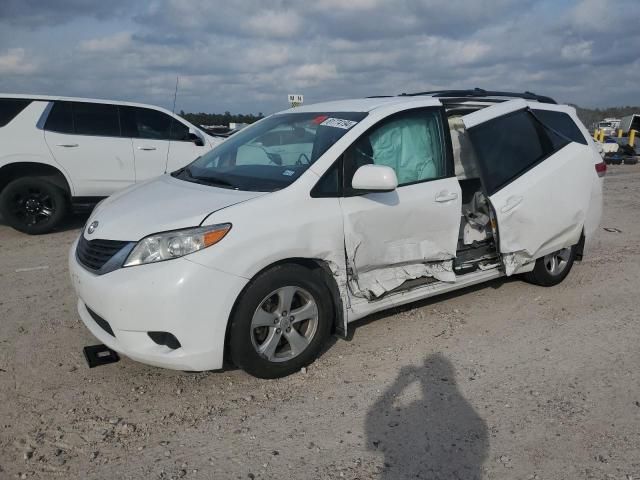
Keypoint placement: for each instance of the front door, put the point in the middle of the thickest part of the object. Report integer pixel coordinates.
(537, 179)
(160, 142)
(412, 232)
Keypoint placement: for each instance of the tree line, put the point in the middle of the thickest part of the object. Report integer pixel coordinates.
(589, 116)
(219, 118)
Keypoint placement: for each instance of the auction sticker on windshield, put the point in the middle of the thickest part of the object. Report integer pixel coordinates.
(338, 123)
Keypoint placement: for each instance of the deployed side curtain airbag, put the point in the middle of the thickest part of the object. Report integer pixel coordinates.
(409, 147)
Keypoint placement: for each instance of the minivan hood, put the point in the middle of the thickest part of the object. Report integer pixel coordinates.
(157, 205)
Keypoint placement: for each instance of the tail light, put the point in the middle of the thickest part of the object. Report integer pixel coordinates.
(601, 169)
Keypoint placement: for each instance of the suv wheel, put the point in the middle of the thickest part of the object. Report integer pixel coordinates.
(280, 322)
(553, 268)
(33, 205)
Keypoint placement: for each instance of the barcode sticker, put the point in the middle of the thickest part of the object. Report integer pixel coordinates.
(338, 123)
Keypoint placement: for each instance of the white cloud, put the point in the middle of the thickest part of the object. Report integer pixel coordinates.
(111, 43)
(577, 51)
(14, 62)
(314, 73)
(355, 5)
(279, 24)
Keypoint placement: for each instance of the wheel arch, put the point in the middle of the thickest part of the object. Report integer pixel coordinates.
(14, 170)
(317, 265)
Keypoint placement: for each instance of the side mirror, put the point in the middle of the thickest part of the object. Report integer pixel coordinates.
(375, 178)
(196, 139)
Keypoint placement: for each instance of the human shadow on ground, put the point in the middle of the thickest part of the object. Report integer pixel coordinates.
(428, 432)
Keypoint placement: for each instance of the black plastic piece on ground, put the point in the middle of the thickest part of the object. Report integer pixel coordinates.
(97, 355)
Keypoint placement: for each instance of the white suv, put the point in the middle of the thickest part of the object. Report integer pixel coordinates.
(57, 153)
(320, 215)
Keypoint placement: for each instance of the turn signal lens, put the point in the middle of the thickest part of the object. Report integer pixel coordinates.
(211, 238)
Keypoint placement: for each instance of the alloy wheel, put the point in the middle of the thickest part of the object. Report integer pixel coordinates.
(556, 262)
(33, 206)
(284, 324)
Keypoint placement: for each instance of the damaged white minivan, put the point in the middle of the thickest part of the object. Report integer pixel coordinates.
(320, 215)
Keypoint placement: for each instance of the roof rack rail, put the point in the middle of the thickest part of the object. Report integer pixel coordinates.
(479, 92)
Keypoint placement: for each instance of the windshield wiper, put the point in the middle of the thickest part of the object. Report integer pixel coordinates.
(209, 180)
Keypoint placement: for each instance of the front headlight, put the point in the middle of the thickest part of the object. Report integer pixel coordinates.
(178, 243)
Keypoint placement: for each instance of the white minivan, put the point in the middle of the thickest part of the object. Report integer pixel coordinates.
(59, 153)
(320, 215)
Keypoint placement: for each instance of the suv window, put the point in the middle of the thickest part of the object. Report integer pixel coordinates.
(512, 144)
(562, 123)
(60, 118)
(147, 123)
(10, 108)
(412, 143)
(98, 119)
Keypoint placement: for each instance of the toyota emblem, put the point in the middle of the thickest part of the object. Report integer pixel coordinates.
(92, 227)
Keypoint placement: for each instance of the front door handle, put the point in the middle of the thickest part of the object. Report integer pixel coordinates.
(444, 197)
(512, 202)
(67, 145)
(146, 149)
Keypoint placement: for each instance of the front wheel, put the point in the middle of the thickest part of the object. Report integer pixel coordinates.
(33, 205)
(280, 322)
(552, 269)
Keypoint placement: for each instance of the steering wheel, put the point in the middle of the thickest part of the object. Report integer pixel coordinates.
(303, 155)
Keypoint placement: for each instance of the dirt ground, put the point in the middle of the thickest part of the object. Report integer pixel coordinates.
(501, 381)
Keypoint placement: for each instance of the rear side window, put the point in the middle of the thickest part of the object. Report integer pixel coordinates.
(10, 108)
(512, 144)
(97, 119)
(561, 123)
(152, 124)
(60, 118)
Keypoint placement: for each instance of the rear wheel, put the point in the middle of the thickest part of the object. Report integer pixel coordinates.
(281, 322)
(33, 205)
(553, 268)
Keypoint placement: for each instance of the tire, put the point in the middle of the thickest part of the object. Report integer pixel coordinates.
(552, 269)
(262, 321)
(33, 205)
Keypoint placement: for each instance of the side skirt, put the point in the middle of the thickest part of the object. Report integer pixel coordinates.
(361, 308)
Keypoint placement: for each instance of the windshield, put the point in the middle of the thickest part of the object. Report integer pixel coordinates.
(272, 153)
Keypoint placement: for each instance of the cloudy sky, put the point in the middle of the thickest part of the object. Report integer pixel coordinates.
(245, 56)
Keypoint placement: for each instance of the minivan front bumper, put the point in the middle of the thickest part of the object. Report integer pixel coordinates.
(185, 299)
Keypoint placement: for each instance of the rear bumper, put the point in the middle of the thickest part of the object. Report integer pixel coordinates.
(188, 300)
(594, 214)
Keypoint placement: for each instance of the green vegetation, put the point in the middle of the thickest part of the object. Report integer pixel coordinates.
(219, 118)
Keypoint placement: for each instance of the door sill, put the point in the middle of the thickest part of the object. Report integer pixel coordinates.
(361, 307)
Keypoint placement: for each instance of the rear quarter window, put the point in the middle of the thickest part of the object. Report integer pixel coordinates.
(562, 123)
(10, 108)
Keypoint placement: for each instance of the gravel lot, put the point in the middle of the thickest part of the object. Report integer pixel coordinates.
(501, 381)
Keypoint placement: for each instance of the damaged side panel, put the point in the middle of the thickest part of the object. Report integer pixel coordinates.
(402, 235)
(536, 179)
(544, 210)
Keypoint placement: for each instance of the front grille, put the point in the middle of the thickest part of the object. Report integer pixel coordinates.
(102, 323)
(94, 254)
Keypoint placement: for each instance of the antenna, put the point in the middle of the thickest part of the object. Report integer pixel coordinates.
(173, 110)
